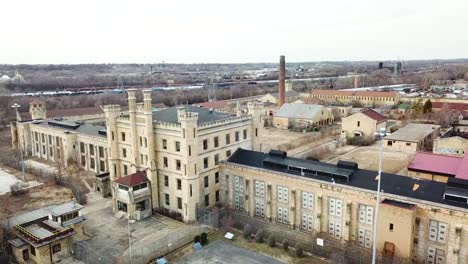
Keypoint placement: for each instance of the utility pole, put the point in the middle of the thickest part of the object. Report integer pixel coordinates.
(381, 133)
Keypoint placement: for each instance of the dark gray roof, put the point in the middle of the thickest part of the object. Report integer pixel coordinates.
(169, 115)
(365, 179)
(72, 126)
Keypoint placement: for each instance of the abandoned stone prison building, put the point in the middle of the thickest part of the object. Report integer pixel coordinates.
(179, 149)
(420, 221)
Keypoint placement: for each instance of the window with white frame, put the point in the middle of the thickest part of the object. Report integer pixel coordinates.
(364, 238)
(435, 256)
(438, 231)
(239, 202)
(239, 183)
(283, 194)
(307, 200)
(335, 207)
(334, 229)
(282, 215)
(260, 208)
(366, 214)
(308, 222)
(260, 188)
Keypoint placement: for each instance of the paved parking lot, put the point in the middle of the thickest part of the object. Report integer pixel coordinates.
(223, 252)
(110, 234)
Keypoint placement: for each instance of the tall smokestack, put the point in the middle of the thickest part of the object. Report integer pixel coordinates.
(356, 81)
(282, 74)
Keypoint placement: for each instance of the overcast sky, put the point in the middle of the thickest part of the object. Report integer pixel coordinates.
(176, 31)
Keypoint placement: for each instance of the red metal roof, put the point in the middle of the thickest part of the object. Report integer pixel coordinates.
(430, 162)
(453, 106)
(462, 171)
(134, 179)
(374, 115)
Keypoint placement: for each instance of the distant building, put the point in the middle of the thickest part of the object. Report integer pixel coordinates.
(437, 167)
(302, 115)
(460, 108)
(363, 98)
(290, 96)
(363, 124)
(412, 137)
(46, 235)
(451, 143)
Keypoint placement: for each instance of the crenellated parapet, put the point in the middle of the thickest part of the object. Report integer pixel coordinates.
(166, 125)
(224, 121)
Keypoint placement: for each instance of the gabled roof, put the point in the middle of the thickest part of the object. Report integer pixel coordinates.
(453, 106)
(374, 115)
(134, 179)
(304, 111)
(430, 162)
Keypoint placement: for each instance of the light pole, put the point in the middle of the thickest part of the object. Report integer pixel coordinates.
(381, 133)
(16, 106)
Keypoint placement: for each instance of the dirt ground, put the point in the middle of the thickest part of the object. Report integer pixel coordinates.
(368, 158)
(272, 138)
(45, 194)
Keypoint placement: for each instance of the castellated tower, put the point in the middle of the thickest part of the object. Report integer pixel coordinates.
(148, 146)
(37, 109)
(190, 179)
(112, 112)
(132, 110)
(256, 111)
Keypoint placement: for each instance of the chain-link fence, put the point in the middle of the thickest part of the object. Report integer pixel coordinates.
(141, 252)
(334, 250)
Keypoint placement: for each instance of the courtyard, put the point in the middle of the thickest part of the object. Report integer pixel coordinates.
(224, 252)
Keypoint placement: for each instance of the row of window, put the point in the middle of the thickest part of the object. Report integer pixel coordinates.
(167, 199)
(227, 139)
(176, 145)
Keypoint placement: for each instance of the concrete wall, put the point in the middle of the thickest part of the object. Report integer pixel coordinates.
(427, 176)
(455, 146)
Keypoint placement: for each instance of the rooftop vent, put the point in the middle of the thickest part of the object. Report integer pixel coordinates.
(347, 165)
(456, 190)
(278, 153)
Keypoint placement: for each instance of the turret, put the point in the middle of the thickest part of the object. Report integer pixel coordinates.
(188, 122)
(256, 111)
(37, 109)
(132, 108)
(112, 112)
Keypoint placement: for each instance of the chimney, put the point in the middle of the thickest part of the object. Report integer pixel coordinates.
(356, 81)
(282, 73)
